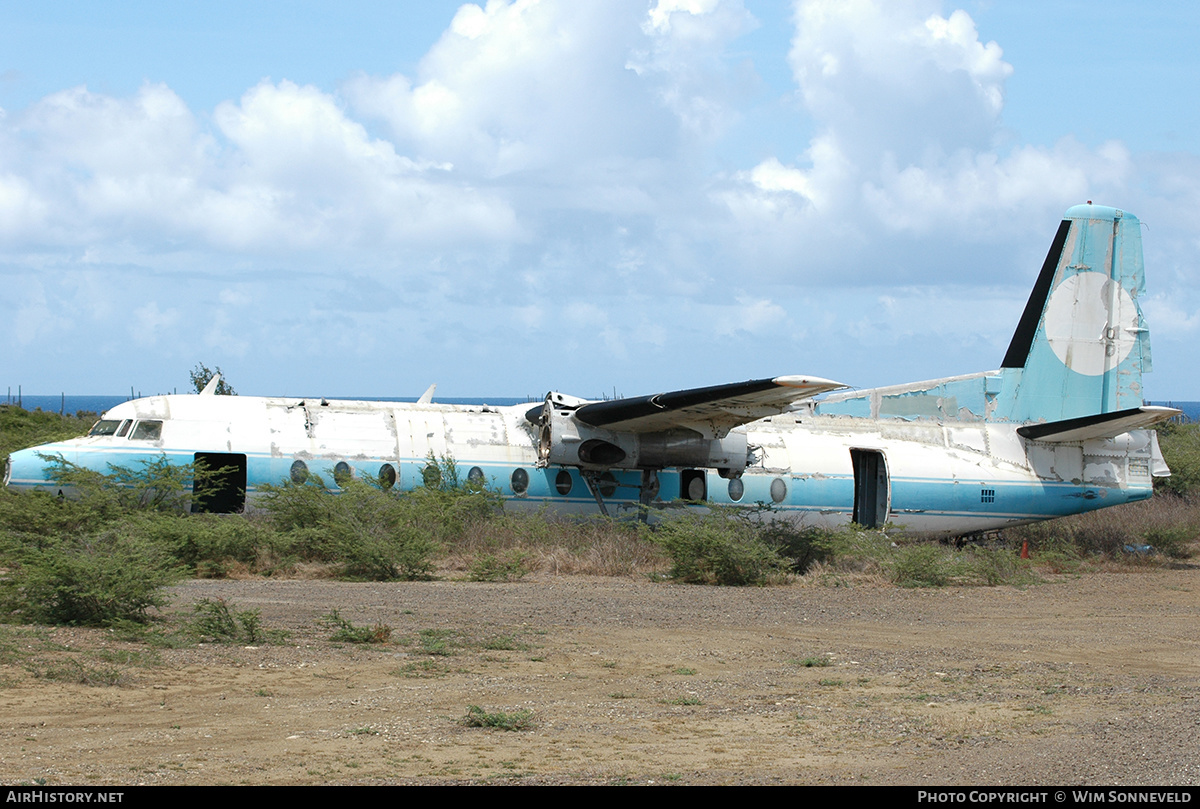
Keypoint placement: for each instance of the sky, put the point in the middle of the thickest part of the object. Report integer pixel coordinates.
(602, 198)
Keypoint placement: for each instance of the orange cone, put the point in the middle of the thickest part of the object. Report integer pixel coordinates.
(1025, 549)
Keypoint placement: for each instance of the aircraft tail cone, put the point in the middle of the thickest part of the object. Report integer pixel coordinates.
(1025, 549)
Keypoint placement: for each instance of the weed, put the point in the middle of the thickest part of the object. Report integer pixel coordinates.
(690, 699)
(829, 682)
(436, 641)
(423, 668)
(814, 662)
(512, 565)
(685, 671)
(71, 670)
(346, 632)
(214, 621)
(517, 720)
(504, 643)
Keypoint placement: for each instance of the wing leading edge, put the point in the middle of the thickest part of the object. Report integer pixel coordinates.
(718, 407)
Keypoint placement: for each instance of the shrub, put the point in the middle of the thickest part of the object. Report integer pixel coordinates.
(215, 621)
(511, 565)
(373, 534)
(208, 544)
(376, 534)
(717, 548)
(20, 428)
(158, 485)
(93, 580)
(920, 565)
(1180, 444)
(803, 546)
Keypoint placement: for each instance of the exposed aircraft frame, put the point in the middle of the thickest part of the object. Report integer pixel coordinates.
(1059, 429)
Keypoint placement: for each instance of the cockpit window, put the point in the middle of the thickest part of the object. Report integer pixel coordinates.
(147, 431)
(105, 427)
(124, 428)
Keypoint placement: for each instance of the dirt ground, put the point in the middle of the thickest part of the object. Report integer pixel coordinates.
(1081, 680)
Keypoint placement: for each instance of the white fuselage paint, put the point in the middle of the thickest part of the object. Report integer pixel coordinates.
(947, 477)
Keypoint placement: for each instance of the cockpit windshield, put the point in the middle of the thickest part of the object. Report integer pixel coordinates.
(147, 430)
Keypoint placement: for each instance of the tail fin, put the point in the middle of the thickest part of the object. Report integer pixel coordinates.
(1082, 345)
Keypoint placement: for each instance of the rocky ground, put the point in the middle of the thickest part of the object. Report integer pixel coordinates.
(1080, 680)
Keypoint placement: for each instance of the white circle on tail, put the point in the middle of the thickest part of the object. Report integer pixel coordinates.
(1078, 326)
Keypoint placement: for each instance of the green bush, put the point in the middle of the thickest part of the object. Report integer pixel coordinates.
(209, 544)
(1180, 444)
(375, 534)
(20, 428)
(158, 485)
(921, 565)
(214, 620)
(93, 580)
(720, 547)
(511, 565)
(803, 546)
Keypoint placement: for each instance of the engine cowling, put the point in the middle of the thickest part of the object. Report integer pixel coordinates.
(564, 440)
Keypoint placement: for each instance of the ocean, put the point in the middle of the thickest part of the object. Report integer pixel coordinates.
(61, 403)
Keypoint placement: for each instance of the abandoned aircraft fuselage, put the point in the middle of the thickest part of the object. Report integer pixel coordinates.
(1059, 429)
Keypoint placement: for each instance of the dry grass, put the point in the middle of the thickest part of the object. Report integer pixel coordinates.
(1167, 522)
(562, 546)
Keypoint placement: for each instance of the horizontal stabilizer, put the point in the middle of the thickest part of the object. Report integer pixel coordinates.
(717, 408)
(1102, 425)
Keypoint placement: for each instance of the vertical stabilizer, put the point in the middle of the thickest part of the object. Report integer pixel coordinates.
(1082, 345)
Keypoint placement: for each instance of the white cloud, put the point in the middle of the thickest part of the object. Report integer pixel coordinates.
(575, 177)
(150, 322)
(519, 86)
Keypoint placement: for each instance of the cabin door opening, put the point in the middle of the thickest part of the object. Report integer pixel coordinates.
(220, 483)
(871, 492)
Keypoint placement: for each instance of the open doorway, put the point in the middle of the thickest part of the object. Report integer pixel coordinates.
(219, 486)
(871, 494)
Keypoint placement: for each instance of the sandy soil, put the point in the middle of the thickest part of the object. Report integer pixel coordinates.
(1090, 680)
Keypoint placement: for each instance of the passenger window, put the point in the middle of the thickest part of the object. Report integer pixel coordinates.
(147, 431)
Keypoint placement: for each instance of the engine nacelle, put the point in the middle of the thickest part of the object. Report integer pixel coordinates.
(564, 440)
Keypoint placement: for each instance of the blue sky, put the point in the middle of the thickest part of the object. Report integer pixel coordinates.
(363, 198)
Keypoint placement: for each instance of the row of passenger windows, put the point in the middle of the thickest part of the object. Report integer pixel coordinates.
(144, 430)
(693, 487)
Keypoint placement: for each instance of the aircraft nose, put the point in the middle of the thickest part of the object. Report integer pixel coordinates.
(26, 468)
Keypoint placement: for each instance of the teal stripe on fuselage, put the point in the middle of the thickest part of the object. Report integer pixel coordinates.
(1011, 500)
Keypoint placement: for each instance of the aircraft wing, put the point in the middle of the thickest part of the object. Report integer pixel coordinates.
(717, 408)
(1102, 425)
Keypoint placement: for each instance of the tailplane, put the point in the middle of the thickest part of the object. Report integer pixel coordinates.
(1079, 350)
(1082, 344)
